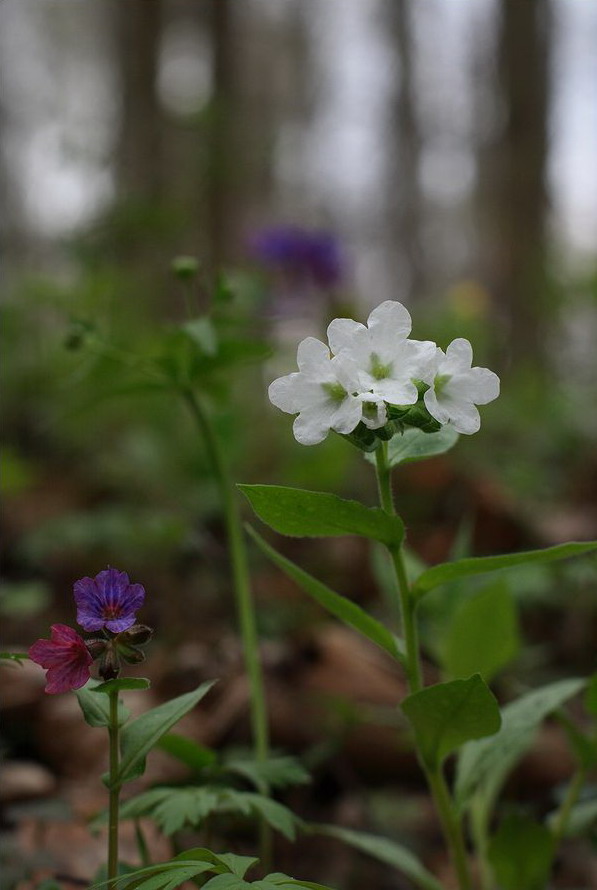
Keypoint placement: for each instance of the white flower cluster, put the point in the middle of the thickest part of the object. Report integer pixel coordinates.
(376, 367)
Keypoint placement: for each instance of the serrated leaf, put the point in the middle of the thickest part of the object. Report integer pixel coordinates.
(384, 850)
(226, 882)
(484, 764)
(120, 683)
(96, 708)
(274, 813)
(483, 636)
(344, 609)
(140, 735)
(295, 512)
(464, 568)
(521, 853)
(189, 752)
(447, 715)
(413, 445)
(275, 772)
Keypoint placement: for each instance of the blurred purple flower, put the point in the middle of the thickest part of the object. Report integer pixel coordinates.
(312, 255)
(65, 657)
(109, 600)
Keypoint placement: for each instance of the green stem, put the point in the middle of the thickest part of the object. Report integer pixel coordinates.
(114, 800)
(240, 569)
(572, 795)
(404, 606)
(451, 826)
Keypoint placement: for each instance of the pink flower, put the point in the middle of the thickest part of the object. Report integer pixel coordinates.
(65, 657)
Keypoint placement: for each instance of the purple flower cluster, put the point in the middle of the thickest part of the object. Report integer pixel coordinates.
(109, 603)
(307, 255)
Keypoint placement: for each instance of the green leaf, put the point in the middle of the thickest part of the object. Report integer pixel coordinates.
(582, 819)
(464, 568)
(591, 696)
(415, 445)
(521, 854)
(274, 813)
(203, 334)
(140, 736)
(275, 772)
(226, 882)
(292, 511)
(384, 850)
(484, 764)
(189, 752)
(483, 636)
(342, 608)
(120, 683)
(96, 708)
(17, 657)
(447, 715)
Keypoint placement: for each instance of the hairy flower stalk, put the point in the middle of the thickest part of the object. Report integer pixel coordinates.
(372, 384)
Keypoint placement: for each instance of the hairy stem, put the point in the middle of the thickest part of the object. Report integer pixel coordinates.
(114, 799)
(240, 570)
(405, 607)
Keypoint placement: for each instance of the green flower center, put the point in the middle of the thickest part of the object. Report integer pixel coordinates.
(379, 371)
(335, 391)
(440, 382)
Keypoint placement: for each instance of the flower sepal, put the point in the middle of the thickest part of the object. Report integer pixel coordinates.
(418, 416)
(362, 438)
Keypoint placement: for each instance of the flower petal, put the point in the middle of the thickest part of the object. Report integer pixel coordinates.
(312, 425)
(293, 392)
(313, 358)
(483, 385)
(344, 333)
(347, 416)
(389, 323)
(459, 356)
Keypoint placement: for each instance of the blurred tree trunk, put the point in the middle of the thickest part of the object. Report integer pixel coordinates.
(140, 167)
(519, 274)
(220, 185)
(404, 199)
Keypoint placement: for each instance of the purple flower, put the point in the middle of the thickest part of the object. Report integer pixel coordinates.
(65, 657)
(109, 600)
(311, 255)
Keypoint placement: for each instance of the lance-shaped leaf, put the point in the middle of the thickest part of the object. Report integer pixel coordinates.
(121, 683)
(140, 735)
(292, 511)
(447, 715)
(483, 636)
(483, 765)
(521, 853)
(96, 708)
(413, 445)
(464, 568)
(384, 850)
(344, 609)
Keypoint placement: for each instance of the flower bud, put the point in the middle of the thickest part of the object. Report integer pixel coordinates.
(131, 654)
(184, 267)
(137, 635)
(96, 647)
(110, 664)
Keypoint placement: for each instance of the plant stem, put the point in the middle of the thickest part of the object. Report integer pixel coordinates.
(402, 599)
(240, 569)
(114, 800)
(572, 795)
(451, 824)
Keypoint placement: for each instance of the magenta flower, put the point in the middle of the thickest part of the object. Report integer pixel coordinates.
(108, 601)
(65, 657)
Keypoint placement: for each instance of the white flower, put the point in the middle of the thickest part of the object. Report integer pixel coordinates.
(456, 388)
(387, 360)
(326, 394)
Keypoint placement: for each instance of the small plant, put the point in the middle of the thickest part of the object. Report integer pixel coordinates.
(400, 400)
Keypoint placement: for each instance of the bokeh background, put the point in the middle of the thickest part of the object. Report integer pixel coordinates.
(442, 153)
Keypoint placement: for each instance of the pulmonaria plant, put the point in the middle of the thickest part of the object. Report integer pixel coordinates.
(108, 602)
(379, 379)
(406, 400)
